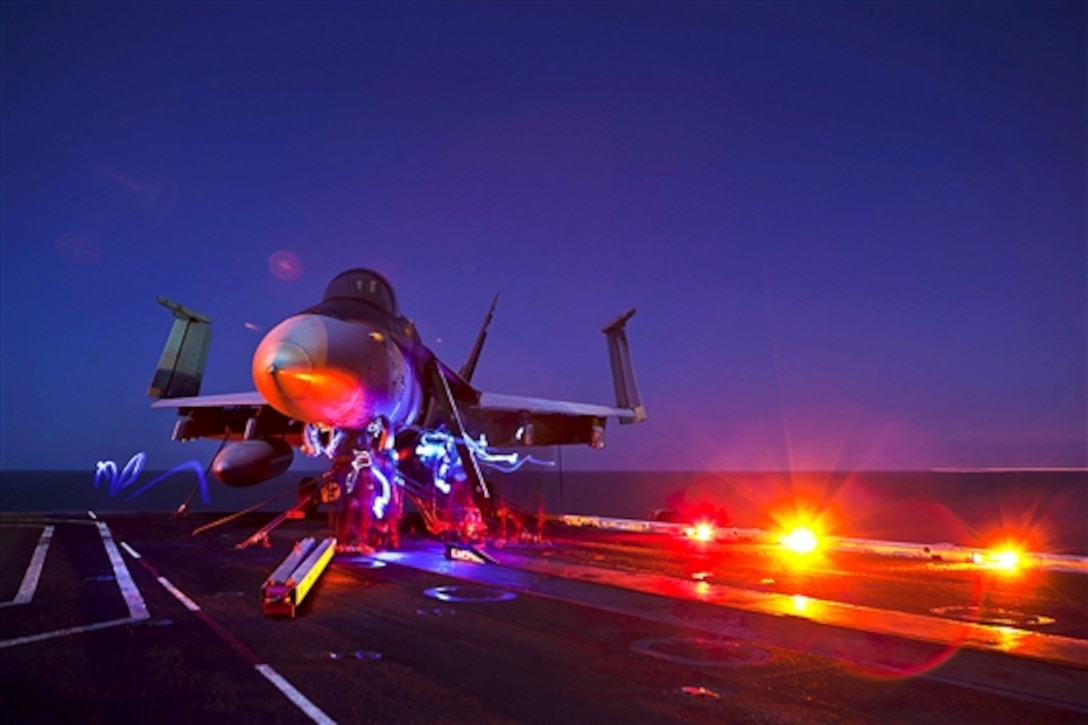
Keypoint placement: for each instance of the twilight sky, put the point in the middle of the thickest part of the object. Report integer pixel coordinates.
(854, 232)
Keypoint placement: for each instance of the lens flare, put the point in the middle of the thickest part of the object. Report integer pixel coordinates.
(801, 540)
(1007, 558)
(285, 265)
(700, 531)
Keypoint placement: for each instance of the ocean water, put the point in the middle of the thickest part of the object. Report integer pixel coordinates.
(1046, 511)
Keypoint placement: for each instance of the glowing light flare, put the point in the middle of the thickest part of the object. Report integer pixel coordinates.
(801, 540)
(1007, 558)
(702, 531)
(801, 524)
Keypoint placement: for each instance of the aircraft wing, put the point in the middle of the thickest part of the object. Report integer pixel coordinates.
(518, 403)
(230, 415)
(250, 399)
(514, 420)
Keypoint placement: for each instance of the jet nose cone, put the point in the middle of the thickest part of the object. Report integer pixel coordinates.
(286, 361)
(290, 369)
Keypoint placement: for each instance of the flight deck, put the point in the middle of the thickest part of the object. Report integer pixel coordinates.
(130, 616)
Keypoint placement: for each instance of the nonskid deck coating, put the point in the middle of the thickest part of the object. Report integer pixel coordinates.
(207, 570)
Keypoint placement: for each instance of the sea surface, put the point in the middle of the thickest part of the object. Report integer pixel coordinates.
(1044, 511)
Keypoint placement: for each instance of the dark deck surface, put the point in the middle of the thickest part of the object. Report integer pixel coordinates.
(599, 628)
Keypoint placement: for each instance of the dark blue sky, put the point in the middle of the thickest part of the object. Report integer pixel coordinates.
(854, 232)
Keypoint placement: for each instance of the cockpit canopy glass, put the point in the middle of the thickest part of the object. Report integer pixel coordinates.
(364, 285)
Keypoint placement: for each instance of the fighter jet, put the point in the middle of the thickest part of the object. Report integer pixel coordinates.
(350, 381)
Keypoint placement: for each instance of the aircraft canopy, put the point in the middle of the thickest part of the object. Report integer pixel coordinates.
(365, 285)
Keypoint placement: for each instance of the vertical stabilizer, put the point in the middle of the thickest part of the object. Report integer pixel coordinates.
(469, 368)
(181, 366)
(623, 370)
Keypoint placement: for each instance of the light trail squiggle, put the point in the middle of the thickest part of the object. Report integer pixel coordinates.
(119, 480)
(360, 461)
(127, 475)
(513, 461)
(380, 502)
(314, 447)
(437, 449)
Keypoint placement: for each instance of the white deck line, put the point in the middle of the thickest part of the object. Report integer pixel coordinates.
(301, 701)
(179, 595)
(33, 573)
(129, 591)
(66, 632)
(290, 691)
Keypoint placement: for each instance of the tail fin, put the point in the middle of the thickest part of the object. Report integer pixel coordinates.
(469, 367)
(181, 366)
(623, 370)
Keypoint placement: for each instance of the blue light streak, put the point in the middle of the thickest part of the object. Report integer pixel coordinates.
(380, 502)
(359, 461)
(124, 479)
(503, 462)
(363, 460)
(437, 450)
(314, 447)
(119, 480)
